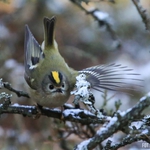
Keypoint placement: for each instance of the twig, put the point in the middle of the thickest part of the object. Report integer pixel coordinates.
(130, 139)
(9, 87)
(142, 13)
(18, 93)
(116, 123)
(104, 20)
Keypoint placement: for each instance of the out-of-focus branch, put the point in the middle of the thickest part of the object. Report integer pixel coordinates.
(130, 139)
(87, 1)
(142, 12)
(120, 120)
(103, 20)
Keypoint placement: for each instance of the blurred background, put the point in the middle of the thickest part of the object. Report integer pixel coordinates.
(83, 42)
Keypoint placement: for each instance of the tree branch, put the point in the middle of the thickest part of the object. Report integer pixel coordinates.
(103, 20)
(74, 115)
(121, 119)
(9, 87)
(131, 138)
(142, 13)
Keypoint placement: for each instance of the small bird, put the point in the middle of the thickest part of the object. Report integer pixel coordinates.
(52, 80)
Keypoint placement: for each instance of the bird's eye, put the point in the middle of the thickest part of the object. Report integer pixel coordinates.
(51, 87)
(63, 85)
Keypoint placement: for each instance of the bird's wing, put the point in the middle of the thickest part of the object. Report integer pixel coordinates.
(33, 54)
(112, 77)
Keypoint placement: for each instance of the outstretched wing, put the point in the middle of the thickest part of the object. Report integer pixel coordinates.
(33, 54)
(112, 77)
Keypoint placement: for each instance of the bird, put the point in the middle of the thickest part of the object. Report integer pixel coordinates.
(51, 79)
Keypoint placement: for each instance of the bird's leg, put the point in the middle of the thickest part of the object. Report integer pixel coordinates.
(39, 111)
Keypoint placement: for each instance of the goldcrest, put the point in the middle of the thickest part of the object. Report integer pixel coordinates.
(52, 80)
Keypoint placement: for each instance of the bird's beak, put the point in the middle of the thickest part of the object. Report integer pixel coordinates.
(59, 90)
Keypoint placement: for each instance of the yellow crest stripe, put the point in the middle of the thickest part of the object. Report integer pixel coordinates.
(55, 75)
